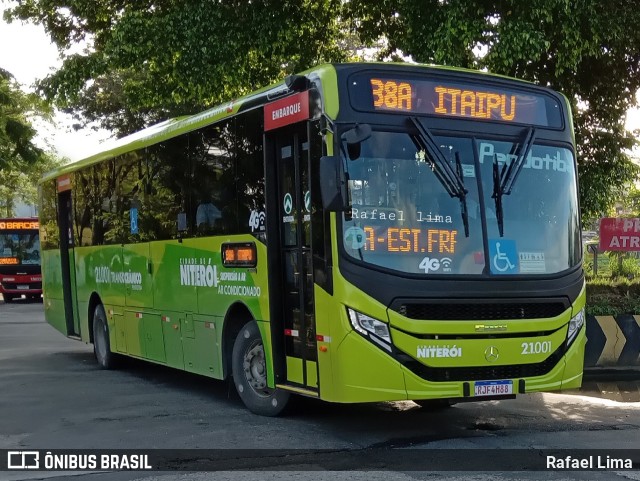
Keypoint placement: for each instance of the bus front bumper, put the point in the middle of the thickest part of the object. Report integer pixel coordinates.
(380, 377)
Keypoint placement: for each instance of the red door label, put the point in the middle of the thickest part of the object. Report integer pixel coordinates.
(289, 110)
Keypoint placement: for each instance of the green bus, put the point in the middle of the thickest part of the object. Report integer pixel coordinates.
(356, 233)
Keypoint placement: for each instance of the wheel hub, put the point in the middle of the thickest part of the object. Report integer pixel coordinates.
(255, 368)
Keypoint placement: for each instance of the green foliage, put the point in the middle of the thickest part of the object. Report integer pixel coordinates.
(624, 266)
(152, 60)
(161, 58)
(17, 148)
(613, 296)
(616, 288)
(20, 184)
(631, 201)
(22, 162)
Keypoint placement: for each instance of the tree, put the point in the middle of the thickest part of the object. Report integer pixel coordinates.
(21, 184)
(588, 49)
(147, 61)
(162, 58)
(22, 162)
(17, 147)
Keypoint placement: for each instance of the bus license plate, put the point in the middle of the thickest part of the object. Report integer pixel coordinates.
(23, 288)
(493, 388)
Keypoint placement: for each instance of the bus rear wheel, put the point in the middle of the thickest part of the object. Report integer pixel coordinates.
(249, 371)
(101, 344)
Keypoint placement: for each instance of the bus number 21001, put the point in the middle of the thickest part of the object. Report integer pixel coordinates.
(536, 347)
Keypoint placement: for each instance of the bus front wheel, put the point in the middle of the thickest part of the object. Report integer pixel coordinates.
(7, 298)
(101, 344)
(249, 371)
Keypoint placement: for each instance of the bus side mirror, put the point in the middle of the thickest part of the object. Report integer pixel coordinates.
(332, 184)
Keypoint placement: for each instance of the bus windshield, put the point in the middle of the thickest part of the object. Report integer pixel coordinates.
(19, 247)
(404, 218)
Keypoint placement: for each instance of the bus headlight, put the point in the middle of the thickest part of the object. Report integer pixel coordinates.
(371, 328)
(575, 324)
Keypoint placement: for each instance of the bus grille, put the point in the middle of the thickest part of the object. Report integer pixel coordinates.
(482, 312)
(485, 373)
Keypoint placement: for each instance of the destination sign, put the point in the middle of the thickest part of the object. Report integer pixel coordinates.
(9, 261)
(18, 225)
(395, 239)
(454, 99)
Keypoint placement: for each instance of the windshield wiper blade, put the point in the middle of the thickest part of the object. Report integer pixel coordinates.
(463, 198)
(453, 183)
(450, 179)
(497, 195)
(509, 177)
(505, 179)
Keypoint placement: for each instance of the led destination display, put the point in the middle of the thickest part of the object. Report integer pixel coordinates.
(454, 99)
(395, 239)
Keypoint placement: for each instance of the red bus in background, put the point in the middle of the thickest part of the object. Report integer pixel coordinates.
(20, 273)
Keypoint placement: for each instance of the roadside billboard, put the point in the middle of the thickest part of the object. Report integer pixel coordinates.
(620, 234)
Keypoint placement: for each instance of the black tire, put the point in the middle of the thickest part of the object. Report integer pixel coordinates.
(101, 344)
(8, 298)
(250, 374)
(434, 404)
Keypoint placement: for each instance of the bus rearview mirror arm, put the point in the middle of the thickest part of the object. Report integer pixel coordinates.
(354, 138)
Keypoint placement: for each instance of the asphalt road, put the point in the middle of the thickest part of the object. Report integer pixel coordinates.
(53, 396)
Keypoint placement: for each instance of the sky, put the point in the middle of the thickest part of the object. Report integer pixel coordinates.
(27, 52)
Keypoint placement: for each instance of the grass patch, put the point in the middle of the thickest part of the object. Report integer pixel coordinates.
(613, 296)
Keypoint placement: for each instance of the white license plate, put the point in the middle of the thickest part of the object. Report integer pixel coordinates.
(23, 288)
(493, 388)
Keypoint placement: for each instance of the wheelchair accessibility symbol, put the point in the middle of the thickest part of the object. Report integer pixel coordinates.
(133, 217)
(504, 256)
(356, 237)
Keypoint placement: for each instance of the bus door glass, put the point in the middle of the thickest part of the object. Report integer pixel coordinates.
(67, 259)
(294, 216)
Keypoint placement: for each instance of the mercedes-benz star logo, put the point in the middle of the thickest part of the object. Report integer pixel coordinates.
(491, 354)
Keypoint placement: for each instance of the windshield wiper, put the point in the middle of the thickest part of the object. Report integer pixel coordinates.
(463, 198)
(505, 179)
(450, 179)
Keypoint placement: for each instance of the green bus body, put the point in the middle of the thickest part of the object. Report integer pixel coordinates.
(121, 230)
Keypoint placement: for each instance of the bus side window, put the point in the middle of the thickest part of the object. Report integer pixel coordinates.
(49, 215)
(250, 165)
(166, 190)
(213, 193)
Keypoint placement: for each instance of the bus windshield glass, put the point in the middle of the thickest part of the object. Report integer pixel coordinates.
(19, 247)
(404, 218)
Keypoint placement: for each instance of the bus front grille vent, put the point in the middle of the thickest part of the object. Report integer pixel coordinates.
(14, 286)
(481, 312)
(485, 373)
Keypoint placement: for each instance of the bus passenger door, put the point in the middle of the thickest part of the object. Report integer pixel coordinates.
(295, 280)
(67, 259)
